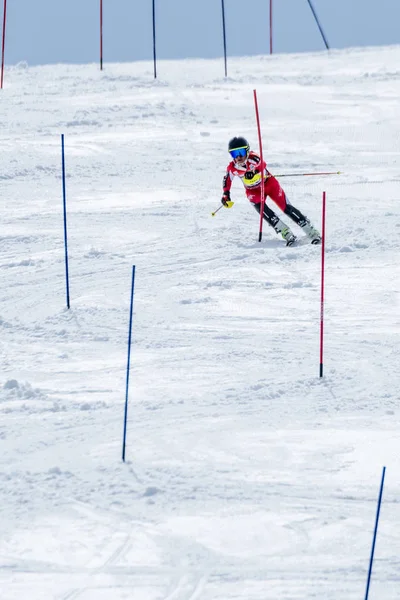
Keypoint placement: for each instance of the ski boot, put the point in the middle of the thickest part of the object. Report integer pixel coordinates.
(311, 232)
(288, 236)
(282, 228)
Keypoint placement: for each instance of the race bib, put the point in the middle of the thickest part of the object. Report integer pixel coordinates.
(251, 178)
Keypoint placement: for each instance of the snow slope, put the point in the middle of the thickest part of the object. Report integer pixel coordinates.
(247, 476)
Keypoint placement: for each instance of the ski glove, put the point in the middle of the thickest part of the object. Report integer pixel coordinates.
(225, 199)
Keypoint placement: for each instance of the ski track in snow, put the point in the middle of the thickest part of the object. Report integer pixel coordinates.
(247, 477)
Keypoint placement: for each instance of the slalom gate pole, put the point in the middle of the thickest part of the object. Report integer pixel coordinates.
(101, 35)
(154, 40)
(375, 532)
(65, 219)
(321, 334)
(308, 174)
(224, 35)
(3, 42)
(270, 26)
(128, 364)
(319, 26)
(261, 163)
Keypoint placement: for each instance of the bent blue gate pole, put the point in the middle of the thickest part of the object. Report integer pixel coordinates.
(319, 26)
(375, 532)
(128, 364)
(65, 219)
(224, 35)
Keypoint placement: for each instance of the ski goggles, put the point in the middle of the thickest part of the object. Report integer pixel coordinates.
(238, 152)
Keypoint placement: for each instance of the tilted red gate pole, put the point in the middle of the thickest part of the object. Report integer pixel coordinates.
(321, 335)
(261, 162)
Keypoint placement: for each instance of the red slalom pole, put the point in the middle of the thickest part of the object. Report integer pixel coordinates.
(321, 337)
(261, 162)
(101, 35)
(270, 26)
(3, 43)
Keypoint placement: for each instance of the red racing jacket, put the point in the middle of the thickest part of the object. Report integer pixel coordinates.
(250, 173)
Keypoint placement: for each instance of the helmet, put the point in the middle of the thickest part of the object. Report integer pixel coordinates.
(239, 149)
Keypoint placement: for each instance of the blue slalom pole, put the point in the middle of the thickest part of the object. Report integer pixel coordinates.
(65, 218)
(129, 362)
(319, 26)
(224, 35)
(375, 532)
(154, 40)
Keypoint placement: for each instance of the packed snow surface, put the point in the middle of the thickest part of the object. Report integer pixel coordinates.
(248, 477)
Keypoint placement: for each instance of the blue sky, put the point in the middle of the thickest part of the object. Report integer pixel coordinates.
(51, 31)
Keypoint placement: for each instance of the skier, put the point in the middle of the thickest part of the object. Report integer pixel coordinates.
(246, 165)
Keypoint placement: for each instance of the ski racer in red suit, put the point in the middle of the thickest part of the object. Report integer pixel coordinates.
(246, 165)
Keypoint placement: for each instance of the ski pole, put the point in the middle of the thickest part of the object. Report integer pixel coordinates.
(229, 204)
(307, 174)
(215, 211)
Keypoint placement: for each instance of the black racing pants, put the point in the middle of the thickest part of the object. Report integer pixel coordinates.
(291, 211)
